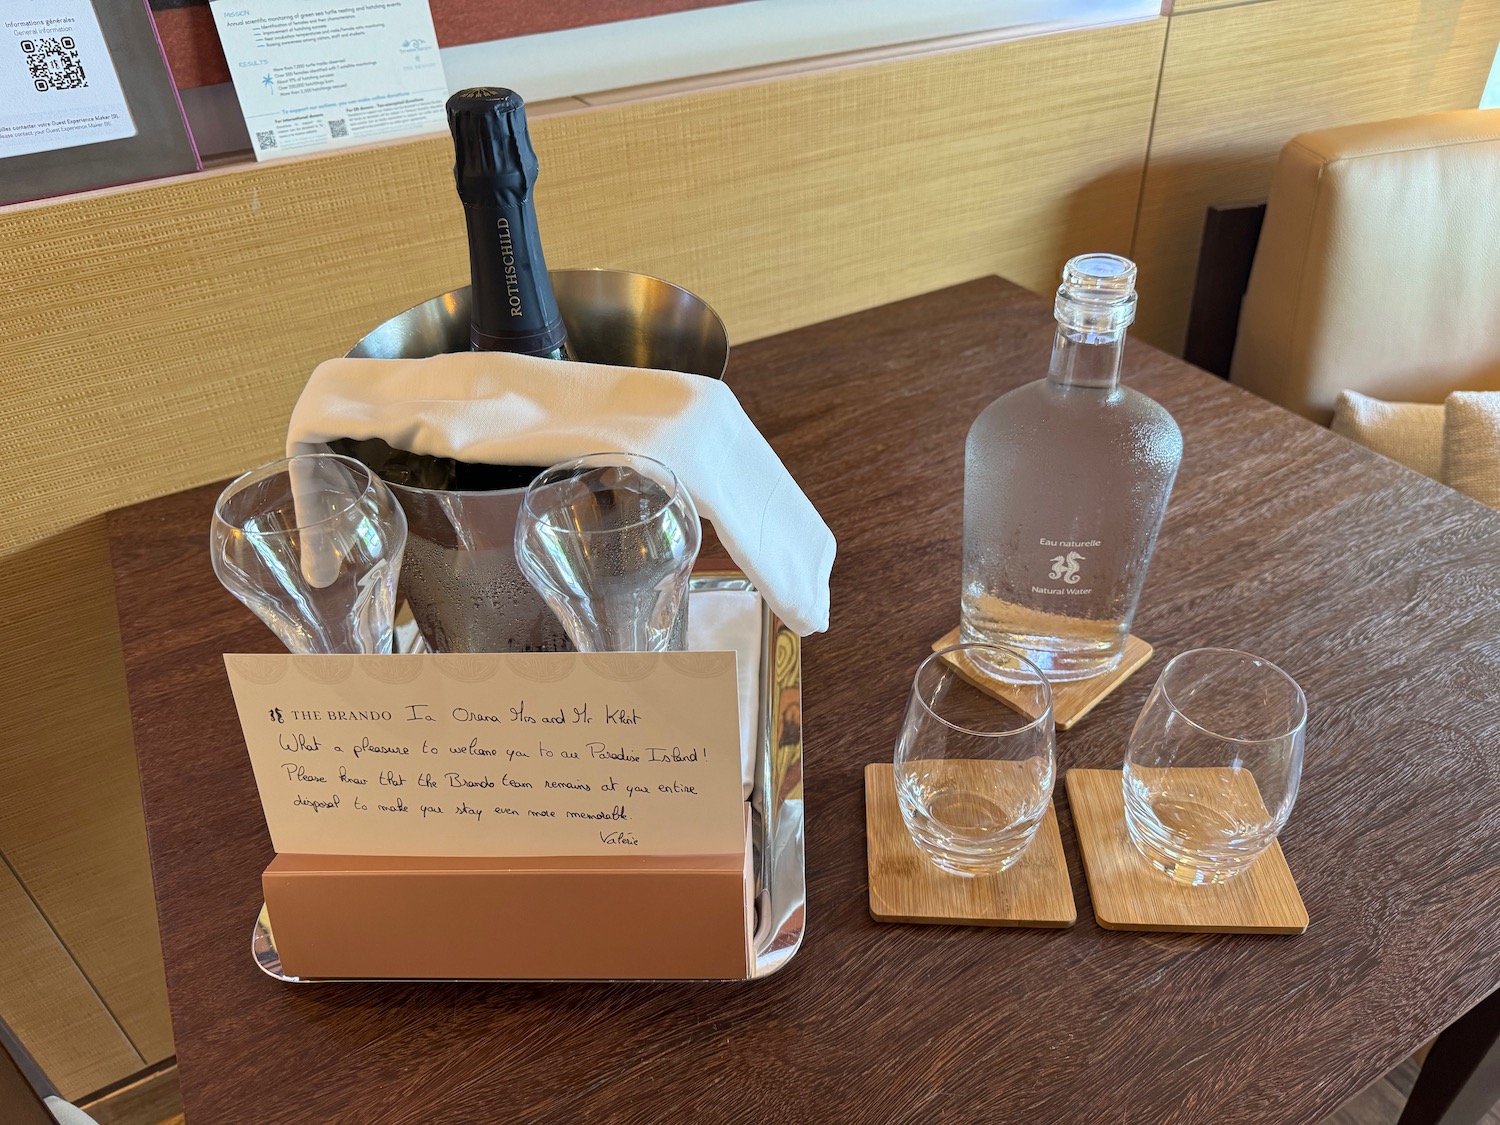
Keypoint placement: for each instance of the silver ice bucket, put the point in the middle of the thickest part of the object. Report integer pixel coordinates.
(459, 572)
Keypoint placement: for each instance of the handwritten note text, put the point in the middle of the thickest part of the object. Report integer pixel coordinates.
(495, 755)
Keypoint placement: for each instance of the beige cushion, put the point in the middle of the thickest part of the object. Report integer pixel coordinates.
(1409, 432)
(1378, 267)
(1471, 445)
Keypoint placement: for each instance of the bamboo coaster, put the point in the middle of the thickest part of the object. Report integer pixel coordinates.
(1130, 894)
(1072, 699)
(905, 886)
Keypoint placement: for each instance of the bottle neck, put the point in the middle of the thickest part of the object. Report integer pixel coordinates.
(1086, 359)
(512, 305)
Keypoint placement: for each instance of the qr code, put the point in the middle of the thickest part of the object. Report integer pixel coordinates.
(266, 139)
(339, 128)
(54, 63)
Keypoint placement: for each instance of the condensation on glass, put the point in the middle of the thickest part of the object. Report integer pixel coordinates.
(1066, 482)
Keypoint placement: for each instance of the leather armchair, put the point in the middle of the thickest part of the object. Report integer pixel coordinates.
(1378, 267)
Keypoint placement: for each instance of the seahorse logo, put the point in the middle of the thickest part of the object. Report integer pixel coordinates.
(1066, 568)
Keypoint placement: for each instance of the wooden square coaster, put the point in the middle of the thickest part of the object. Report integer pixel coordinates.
(905, 886)
(1071, 700)
(1130, 894)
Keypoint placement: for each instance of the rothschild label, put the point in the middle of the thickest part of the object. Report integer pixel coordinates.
(513, 308)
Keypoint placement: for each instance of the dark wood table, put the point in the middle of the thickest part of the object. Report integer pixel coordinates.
(1374, 587)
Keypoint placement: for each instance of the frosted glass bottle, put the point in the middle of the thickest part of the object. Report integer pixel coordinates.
(1065, 485)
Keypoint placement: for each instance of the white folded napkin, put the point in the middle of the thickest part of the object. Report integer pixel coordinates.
(730, 621)
(500, 408)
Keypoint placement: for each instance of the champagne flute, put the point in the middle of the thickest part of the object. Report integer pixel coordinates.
(312, 545)
(609, 541)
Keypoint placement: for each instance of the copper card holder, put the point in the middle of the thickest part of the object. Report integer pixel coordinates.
(775, 810)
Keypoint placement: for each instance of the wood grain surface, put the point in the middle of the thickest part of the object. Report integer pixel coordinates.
(1071, 700)
(1375, 588)
(1131, 894)
(906, 886)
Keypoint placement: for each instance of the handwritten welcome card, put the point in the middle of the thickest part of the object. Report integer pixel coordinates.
(522, 754)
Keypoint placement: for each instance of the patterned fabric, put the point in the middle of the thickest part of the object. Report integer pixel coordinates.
(1471, 444)
(1408, 432)
(1457, 443)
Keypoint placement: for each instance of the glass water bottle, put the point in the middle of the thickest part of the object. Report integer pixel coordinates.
(1065, 485)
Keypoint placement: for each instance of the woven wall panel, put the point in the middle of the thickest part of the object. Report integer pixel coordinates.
(790, 202)
(164, 331)
(70, 817)
(1239, 82)
(1181, 7)
(47, 1001)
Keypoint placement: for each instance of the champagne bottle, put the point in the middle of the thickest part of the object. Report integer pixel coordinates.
(1066, 482)
(512, 305)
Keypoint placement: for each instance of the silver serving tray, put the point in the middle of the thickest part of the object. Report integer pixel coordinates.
(775, 806)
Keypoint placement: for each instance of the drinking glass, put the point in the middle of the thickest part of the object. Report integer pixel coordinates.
(1213, 765)
(974, 774)
(312, 545)
(609, 541)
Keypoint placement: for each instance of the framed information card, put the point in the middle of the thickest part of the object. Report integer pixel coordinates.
(86, 100)
(319, 74)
